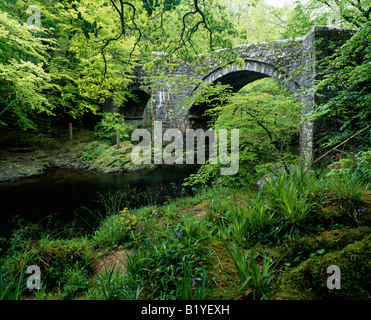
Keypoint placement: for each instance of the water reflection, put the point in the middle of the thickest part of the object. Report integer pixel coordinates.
(62, 191)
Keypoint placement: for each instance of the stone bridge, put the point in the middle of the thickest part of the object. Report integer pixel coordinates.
(290, 62)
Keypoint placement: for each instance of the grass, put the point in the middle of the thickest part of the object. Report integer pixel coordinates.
(217, 244)
(254, 279)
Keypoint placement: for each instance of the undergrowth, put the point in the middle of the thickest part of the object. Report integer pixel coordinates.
(220, 243)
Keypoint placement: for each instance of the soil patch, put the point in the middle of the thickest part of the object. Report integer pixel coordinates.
(197, 210)
(114, 259)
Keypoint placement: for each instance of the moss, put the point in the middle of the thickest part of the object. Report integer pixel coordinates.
(338, 238)
(223, 273)
(308, 281)
(27, 155)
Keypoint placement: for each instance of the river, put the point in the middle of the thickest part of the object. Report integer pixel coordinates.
(64, 192)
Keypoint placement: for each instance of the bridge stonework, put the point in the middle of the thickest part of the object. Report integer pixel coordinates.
(290, 62)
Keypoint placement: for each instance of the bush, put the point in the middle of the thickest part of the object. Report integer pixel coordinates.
(115, 229)
(289, 197)
(257, 214)
(194, 229)
(111, 286)
(74, 280)
(358, 164)
(160, 266)
(253, 278)
(345, 185)
(111, 122)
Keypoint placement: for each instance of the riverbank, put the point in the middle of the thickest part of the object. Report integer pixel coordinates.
(24, 155)
(220, 243)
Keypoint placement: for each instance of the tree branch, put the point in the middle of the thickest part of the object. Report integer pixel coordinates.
(337, 146)
(123, 31)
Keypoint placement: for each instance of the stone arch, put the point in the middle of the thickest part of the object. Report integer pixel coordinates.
(252, 70)
(238, 78)
(134, 109)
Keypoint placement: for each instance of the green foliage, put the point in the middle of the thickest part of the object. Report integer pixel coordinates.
(345, 186)
(59, 67)
(53, 256)
(92, 151)
(23, 79)
(267, 117)
(111, 122)
(111, 286)
(12, 289)
(194, 229)
(299, 19)
(256, 213)
(288, 200)
(252, 278)
(74, 280)
(189, 290)
(294, 195)
(358, 164)
(347, 72)
(115, 229)
(160, 266)
(353, 14)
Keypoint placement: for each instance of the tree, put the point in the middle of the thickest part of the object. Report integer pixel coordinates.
(268, 117)
(72, 66)
(96, 45)
(347, 73)
(110, 123)
(23, 79)
(354, 13)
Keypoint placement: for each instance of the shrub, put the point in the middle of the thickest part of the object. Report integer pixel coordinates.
(194, 229)
(74, 280)
(256, 213)
(111, 286)
(115, 229)
(111, 122)
(293, 195)
(345, 185)
(11, 289)
(254, 279)
(359, 164)
(160, 266)
(188, 289)
(92, 151)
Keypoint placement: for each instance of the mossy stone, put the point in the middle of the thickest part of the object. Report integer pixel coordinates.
(308, 281)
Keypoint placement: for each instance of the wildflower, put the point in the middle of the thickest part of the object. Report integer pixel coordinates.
(361, 210)
(194, 281)
(178, 234)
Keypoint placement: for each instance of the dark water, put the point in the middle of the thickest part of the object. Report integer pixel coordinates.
(61, 192)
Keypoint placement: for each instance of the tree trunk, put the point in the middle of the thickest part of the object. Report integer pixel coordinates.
(71, 131)
(117, 138)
